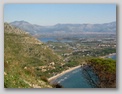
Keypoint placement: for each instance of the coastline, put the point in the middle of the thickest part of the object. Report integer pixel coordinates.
(107, 55)
(62, 73)
(71, 69)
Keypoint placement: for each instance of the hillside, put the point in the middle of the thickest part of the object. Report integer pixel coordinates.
(105, 70)
(27, 61)
(66, 29)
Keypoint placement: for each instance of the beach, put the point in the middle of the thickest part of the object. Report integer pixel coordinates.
(71, 69)
(62, 73)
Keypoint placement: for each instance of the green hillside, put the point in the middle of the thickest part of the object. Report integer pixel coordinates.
(105, 70)
(27, 61)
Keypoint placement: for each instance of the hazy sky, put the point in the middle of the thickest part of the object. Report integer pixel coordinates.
(50, 14)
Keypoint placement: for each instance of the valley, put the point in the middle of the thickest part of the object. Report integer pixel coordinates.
(78, 48)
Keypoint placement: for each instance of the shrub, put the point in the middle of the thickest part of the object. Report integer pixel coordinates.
(44, 78)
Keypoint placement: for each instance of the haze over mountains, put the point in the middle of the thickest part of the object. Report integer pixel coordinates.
(64, 29)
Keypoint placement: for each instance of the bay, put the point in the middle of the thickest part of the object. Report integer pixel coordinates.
(112, 56)
(76, 78)
(48, 39)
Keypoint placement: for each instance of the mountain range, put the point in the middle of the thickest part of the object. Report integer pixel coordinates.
(63, 29)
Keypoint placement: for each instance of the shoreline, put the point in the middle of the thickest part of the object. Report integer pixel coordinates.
(62, 73)
(71, 69)
(107, 55)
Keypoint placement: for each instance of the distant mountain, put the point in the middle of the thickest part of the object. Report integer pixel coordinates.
(66, 28)
(32, 29)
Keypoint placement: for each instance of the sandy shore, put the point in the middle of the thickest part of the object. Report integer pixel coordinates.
(73, 68)
(62, 73)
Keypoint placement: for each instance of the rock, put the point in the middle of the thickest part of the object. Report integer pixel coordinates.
(5, 73)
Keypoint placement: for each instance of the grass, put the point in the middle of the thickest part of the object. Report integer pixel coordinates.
(108, 65)
(22, 55)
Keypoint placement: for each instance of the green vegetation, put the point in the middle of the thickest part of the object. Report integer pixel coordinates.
(27, 61)
(96, 52)
(107, 65)
(106, 71)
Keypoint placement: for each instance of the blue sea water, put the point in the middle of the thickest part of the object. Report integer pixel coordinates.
(113, 56)
(53, 39)
(48, 39)
(76, 79)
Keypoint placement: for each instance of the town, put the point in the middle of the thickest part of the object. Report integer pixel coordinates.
(94, 45)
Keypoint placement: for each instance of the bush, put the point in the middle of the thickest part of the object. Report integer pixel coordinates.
(44, 78)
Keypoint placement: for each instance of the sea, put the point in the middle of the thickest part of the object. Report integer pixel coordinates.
(112, 56)
(47, 39)
(77, 78)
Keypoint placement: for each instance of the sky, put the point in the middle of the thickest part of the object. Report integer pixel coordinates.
(51, 14)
